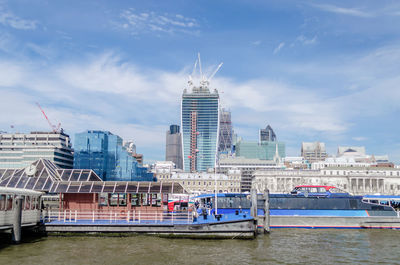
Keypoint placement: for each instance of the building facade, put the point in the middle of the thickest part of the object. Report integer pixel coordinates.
(173, 148)
(200, 128)
(20, 150)
(225, 132)
(246, 167)
(267, 134)
(204, 182)
(313, 152)
(104, 153)
(357, 181)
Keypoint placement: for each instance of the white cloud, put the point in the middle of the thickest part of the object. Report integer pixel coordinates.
(307, 41)
(342, 10)
(280, 46)
(7, 18)
(256, 43)
(154, 22)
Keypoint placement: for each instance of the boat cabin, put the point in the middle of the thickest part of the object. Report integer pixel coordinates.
(317, 190)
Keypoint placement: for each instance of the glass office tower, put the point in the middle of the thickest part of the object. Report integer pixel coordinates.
(200, 127)
(104, 153)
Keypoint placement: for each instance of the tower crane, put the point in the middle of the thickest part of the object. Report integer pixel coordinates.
(54, 128)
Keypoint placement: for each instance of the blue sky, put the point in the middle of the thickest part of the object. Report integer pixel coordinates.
(314, 70)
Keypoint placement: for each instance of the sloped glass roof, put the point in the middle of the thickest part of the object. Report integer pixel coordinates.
(49, 178)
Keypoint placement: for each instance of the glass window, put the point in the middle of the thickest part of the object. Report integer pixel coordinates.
(135, 199)
(27, 203)
(2, 202)
(336, 190)
(103, 199)
(122, 199)
(9, 202)
(114, 199)
(37, 205)
(33, 203)
(145, 199)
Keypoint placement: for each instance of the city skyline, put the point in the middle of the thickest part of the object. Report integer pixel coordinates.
(314, 71)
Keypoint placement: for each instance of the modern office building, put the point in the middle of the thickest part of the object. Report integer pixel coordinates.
(19, 150)
(313, 152)
(267, 134)
(104, 153)
(225, 132)
(265, 150)
(200, 127)
(173, 147)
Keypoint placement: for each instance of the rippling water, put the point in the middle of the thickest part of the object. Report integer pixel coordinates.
(282, 246)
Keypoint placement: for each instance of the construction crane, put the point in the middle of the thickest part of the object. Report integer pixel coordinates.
(54, 128)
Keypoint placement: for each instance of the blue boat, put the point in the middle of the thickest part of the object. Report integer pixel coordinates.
(311, 206)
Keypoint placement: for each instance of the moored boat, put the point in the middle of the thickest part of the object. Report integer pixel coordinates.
(314, 206)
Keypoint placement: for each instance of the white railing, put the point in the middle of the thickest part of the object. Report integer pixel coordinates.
(130, 217)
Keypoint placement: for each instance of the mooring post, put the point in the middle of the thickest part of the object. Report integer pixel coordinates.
(16, 231)
(266, 212)
(253, 210)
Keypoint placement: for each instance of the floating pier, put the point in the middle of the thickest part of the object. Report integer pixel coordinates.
(168, 224)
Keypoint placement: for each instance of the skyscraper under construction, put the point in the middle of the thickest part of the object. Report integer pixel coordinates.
(200, 124)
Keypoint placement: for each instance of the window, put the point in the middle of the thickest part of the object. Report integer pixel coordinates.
(135, 199)
(9, 205)
(114, 199)
(103, 199)
(122, 199)
(2, 202)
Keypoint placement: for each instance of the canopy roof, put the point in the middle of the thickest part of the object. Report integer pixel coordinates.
(47, 177)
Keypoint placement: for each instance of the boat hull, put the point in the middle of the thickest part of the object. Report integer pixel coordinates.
(338, 222)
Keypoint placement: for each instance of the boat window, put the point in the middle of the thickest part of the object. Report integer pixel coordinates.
(135, 199)
(37, 205)
(103, 199)
(314, 190)
(336, 190)
(114, 199)
(33, 203)
(145, 199)
(9, 202)
(122, 199)
(2, 202)
(156, 199)
(321, 190)
(27, 203)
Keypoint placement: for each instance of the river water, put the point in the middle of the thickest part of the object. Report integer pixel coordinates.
(282, 246)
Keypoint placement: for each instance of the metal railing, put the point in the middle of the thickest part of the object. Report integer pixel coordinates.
(127, 217)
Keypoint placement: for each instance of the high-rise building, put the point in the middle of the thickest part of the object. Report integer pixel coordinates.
(20, 150)
(313, 152)
(267, 134)
(104, 153)
(225, 131)
(265, 150)
(200, 127)
(173, 148)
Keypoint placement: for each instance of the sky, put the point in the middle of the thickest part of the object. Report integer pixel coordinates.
(314, 70)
